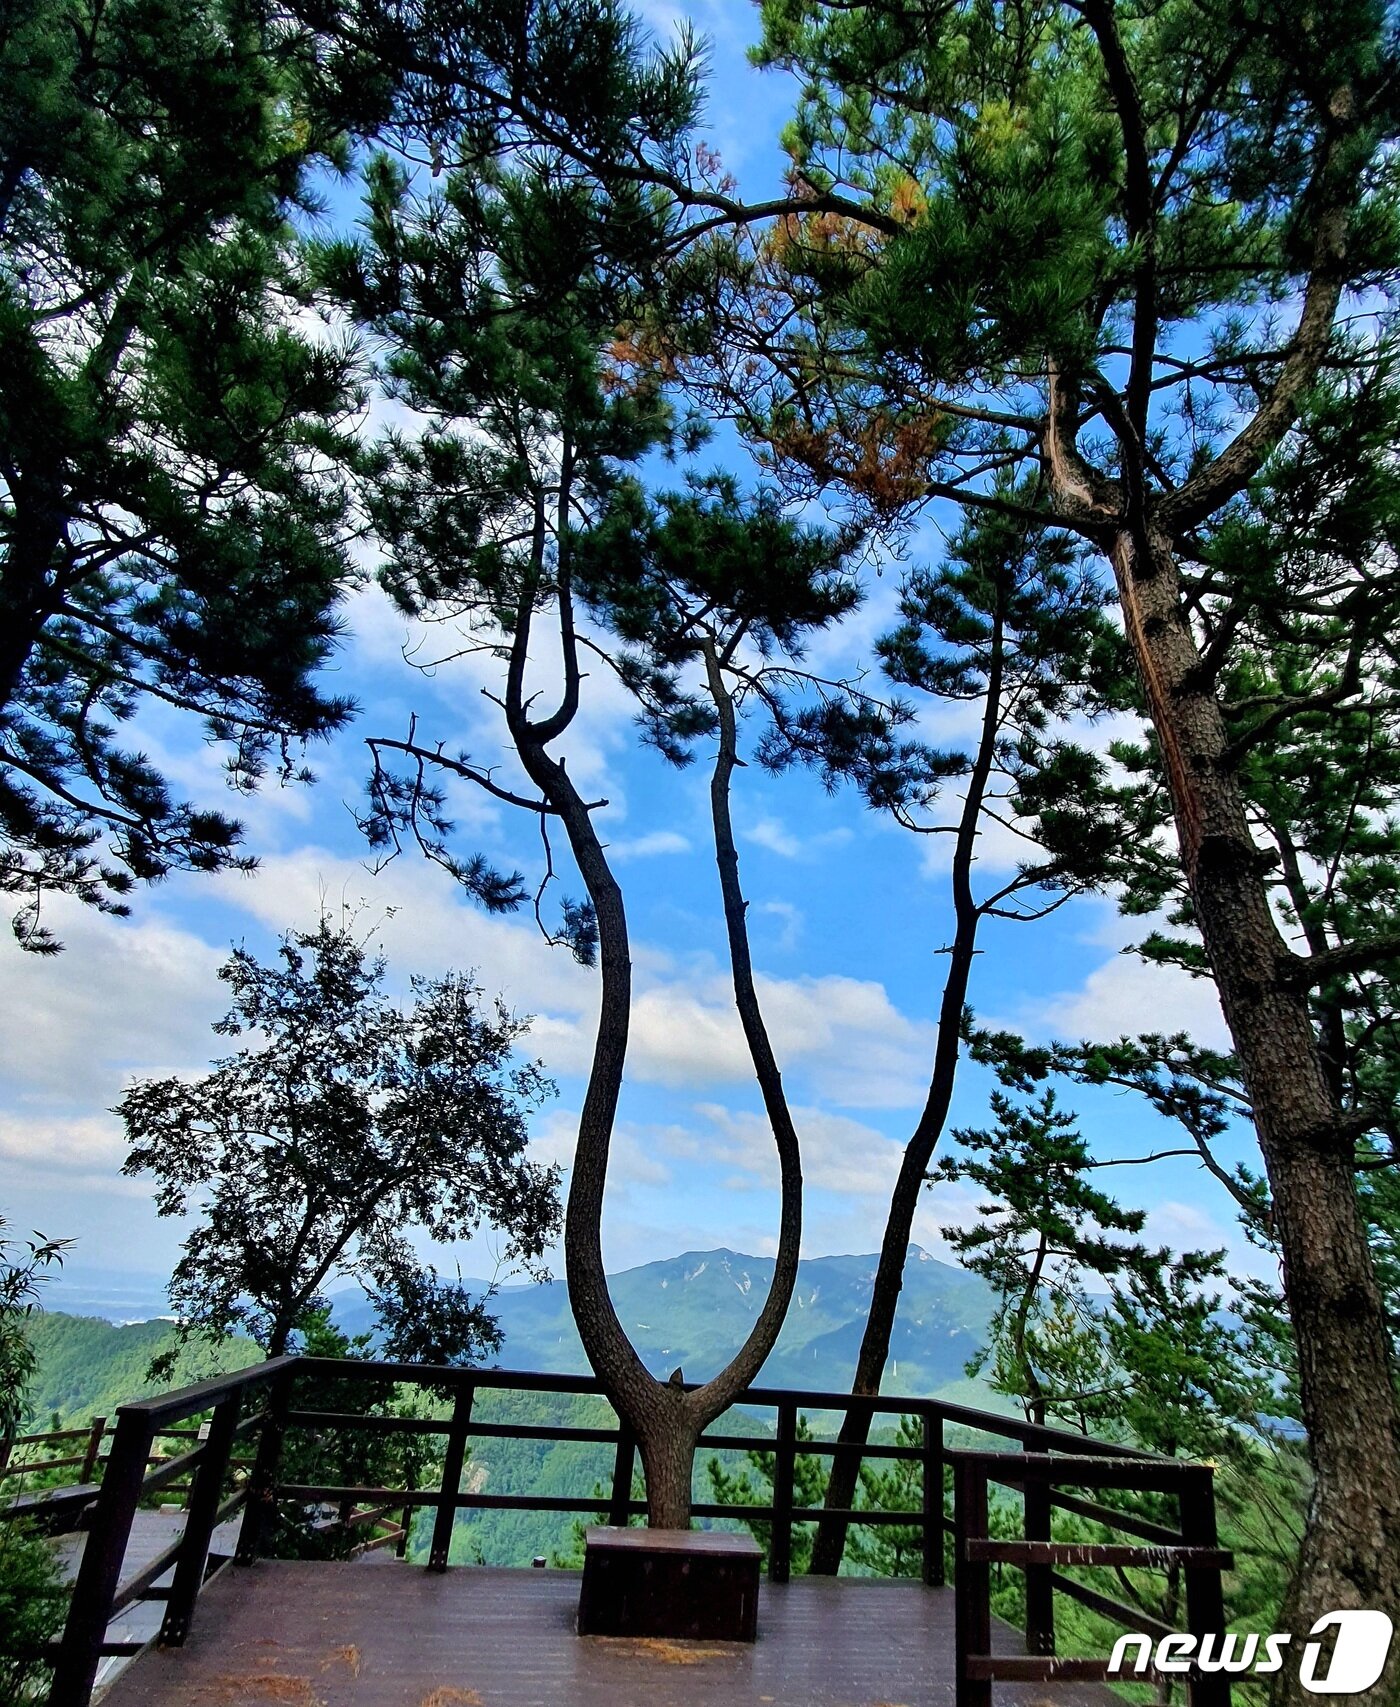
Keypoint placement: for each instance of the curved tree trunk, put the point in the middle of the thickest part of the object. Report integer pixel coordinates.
(667, 1419)
(1351, 1549)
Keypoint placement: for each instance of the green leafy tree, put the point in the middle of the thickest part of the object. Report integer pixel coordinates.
(1155, 1363)
(348, 1120)
(895, 1485)
(892, 1549)
(23, 1268)
(33, 1596)
(570, 1557)
(1042, 1229)
(33, 1604)
(753, 1485)
(172, 520)
(341, 1457)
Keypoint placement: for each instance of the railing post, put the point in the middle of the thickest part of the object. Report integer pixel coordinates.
(972, 1584)
(202, 1508)
(262, 1480)
(406, 1517)
(623, 1461)
(934, 1573)
(453, 1459)
(94, 1446)
(1205, 1592)
(99, 1573)
(784, 1473)
(1040, 1588)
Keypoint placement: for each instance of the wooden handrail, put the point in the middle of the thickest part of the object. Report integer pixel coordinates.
(127, 1478)
(1193, 1549)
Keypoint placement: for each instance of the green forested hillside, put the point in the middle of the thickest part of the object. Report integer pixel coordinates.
(548, 1469)
(87, 1367)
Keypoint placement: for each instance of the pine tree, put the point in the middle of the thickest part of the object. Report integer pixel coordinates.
(173, 520)
(1043, 1228)
(1011, 622)
(514, 509)
(1113, 241)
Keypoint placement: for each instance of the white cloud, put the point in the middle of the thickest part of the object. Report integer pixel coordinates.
(649, 846)
(792, 919)
(770, 833)
(88, 1142)
(859, 1049)
(946, 1204)
(632, 1154)
(838, 1154)
(1126, 996)
(1185, 1226)
(137, 999)
(124, 998)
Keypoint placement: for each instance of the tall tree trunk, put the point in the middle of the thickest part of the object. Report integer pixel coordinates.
(666, 1419)
(1351, 1549)
(829, 1545)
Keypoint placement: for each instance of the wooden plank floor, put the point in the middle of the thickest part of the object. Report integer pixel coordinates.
(151, 1533)
(392, 1635)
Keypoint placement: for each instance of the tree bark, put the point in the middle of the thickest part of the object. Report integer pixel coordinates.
(667, 1444)
(666, 1419)
(1351, 1549)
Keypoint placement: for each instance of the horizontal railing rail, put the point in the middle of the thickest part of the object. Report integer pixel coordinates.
(1050, 1468)
(63, 1506)
(1192, 1549)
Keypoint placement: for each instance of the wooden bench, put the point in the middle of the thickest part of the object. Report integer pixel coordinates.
(683, 1584)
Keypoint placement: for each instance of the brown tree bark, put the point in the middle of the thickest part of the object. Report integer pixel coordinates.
(1351, 1549)
(666, 1419)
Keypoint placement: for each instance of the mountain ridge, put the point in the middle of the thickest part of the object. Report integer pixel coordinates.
(694, 1310)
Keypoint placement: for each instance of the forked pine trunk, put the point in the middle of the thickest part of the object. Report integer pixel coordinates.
(666, 1419)
(667, 1442)
(1351, 1550)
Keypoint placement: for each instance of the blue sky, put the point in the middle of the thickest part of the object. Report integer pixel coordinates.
(848, 914)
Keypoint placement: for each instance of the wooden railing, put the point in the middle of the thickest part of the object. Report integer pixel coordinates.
(85, 1461)
(1041, 1478)
(1052, 1469)
(59, 1507)
(99, 1593)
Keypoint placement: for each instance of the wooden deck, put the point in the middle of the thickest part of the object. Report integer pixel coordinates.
(383, 1634)
(152, 1533)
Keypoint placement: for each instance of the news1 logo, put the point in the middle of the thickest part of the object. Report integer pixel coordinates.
(1358, 1653)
